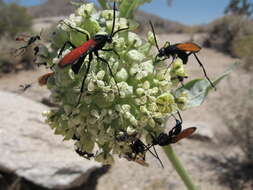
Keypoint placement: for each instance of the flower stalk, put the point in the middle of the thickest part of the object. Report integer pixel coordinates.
(171, 155)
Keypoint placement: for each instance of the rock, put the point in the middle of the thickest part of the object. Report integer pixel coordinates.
(203, 132)
(29, 149)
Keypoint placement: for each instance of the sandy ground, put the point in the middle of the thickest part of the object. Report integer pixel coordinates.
(127, 175)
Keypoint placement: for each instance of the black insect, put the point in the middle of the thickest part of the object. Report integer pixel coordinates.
(85, 154)
(173, 136)
(36, 50)
(81, 153)
(24, 87)
(181, 50)
(123, 136)
(180, 79)
(137, 147)
(30, 41)
(138, 153)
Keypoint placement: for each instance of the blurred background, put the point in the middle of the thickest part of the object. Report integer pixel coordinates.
(218, 157)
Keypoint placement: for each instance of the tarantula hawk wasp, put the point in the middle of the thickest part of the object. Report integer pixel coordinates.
(92, 46)
(181, 50)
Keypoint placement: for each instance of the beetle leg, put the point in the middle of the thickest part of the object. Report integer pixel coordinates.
(157, 157)
(113, 50)
(84, 78)
(76, 29)
(63, 47)
(202, 66)
(103, 60)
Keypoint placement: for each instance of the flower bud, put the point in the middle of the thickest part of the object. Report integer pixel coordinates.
(122, 75)
(135, 56)
(85, 10)
(134, 40)
(151, 39)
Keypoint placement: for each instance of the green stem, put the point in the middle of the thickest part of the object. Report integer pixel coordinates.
(103, 4)
(179, 167)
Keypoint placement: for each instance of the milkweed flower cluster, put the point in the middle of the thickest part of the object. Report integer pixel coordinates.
(139, 100)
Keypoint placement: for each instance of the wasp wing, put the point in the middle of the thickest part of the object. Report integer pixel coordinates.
(185, 133)
(191, 47)
(43, 79)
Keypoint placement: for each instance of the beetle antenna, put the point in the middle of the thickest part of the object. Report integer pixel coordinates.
(119, 30)
(180, 117)
(114, 15)
(153, 31)
(113, 24)
(76, 29)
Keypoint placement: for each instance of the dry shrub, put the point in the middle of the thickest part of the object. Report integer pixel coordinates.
(232, 35)
(225, 32)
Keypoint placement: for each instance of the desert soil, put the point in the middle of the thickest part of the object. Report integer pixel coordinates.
(128, 175)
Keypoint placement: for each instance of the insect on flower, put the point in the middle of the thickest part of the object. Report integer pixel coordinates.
(76, 57)
(175, 134)
(138, 153)
(29, 41)
(137, 147)
(181, 50)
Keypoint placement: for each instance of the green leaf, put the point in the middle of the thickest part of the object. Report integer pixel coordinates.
(198, 89)
(127, 7)
(103, 4)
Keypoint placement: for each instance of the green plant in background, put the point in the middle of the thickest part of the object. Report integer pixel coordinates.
(139, 102)
(243, 49)
(226, 31)
(13, 19)
(240, 7)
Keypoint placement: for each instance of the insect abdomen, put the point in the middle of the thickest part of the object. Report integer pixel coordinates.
(76, 53)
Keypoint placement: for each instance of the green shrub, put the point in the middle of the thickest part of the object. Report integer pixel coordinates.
(243, 48)
(13, 19)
